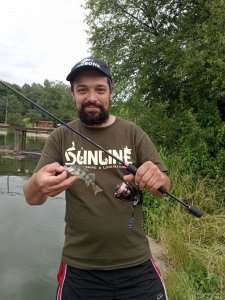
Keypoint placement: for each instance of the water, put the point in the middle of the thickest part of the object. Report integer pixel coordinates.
(31, 237)
(33, 141)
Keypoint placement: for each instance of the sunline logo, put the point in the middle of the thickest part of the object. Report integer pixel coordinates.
(97, 157)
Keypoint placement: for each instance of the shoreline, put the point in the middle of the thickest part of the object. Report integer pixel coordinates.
(20, 154)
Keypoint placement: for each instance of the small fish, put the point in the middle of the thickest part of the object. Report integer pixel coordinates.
(89, 178)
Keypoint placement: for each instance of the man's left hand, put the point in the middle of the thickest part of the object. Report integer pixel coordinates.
(149, 176)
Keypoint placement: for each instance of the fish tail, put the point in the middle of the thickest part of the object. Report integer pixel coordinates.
(97, 189)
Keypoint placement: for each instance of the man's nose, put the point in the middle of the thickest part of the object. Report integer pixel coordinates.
(92, 96)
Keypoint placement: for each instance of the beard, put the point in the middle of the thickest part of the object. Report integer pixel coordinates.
(93, 118)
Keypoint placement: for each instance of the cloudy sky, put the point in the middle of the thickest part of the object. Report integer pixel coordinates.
(41, 39)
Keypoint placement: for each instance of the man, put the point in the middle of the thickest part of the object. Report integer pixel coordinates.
(102, 257)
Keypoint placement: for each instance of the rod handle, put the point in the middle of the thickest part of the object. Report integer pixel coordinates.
(132, 169)
(195, 211)
(162, 189)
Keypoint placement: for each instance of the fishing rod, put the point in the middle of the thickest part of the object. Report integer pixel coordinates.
(129, 167)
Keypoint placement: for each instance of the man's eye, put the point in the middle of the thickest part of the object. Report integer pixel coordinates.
(81, 91)
(101, 91)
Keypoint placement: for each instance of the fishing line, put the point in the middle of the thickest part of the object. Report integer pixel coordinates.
(129, 167)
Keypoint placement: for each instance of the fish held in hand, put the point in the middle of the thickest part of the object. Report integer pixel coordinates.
(88, 178)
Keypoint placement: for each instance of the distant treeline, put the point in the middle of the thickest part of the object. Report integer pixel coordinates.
(53, 96)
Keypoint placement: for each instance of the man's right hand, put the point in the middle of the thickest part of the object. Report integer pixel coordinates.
(46, 183)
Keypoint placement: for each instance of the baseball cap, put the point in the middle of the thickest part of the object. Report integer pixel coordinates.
(87, 64)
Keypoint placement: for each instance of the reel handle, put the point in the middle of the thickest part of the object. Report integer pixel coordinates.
(132, 169)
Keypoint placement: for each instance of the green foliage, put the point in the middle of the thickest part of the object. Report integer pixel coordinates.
(162, 50)
(168, 63)
(179, 286)
(194, 248)
(53, 96)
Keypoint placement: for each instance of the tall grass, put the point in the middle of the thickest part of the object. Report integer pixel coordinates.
(195, 248)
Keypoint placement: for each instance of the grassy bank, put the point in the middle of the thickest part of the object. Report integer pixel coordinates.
(195, 248)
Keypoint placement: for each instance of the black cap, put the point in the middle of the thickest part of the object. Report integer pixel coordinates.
(87, 64)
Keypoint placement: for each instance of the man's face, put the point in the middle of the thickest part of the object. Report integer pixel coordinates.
(92, 97)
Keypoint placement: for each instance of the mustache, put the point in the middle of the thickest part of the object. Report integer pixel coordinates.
(90, 103)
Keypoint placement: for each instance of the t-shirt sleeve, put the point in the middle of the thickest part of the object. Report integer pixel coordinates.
(147, 151)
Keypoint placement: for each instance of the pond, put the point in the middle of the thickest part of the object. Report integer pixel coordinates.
(31, 236)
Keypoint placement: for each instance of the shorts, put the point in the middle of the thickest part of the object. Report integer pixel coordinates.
(142, 282)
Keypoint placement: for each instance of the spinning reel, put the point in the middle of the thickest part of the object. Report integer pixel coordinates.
(129, 193)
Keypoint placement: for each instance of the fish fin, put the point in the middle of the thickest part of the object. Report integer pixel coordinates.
(91, 177)
(86, 183)
(97, 189)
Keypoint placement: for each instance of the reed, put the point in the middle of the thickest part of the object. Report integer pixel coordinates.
(195, 248)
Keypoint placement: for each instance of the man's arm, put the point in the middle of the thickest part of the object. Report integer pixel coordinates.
(149, 176)
(45, 183)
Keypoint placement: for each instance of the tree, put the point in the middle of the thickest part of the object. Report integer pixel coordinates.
(53, 96)
(169, 55)
(164, 50)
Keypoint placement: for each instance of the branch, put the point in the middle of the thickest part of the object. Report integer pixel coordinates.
(129, 14)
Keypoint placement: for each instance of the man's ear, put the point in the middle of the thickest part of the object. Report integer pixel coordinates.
(72, 93)
(111, 94)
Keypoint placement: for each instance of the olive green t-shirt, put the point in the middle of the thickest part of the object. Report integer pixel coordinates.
(96, 232)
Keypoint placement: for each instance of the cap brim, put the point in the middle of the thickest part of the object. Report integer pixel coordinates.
(78, 70)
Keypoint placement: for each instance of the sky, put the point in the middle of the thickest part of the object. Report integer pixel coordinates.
(41, 39)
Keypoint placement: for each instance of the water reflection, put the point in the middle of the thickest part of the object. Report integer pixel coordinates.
(34, 141)
(31, 236)
(14, 164)
(31, 243)
(19, 163)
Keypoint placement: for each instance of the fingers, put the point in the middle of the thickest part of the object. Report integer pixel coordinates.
(53, 168)
(148, 176)
(53, 179)
(128, 177)
(51, 184)
(57, 189)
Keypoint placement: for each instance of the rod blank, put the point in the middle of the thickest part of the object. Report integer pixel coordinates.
(129, 167)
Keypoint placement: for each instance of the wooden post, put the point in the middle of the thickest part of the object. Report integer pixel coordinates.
(17, 140)
(24, 134)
